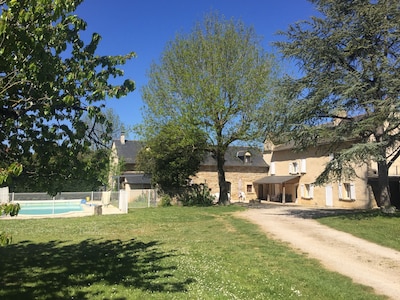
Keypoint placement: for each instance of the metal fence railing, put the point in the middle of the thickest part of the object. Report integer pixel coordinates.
(142, 198)
(122, 199)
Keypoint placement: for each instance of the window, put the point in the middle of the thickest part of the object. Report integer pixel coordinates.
(272, 168)
(293, 168)
(244, 156)
(303, 166)
(247, 157)
(249, 188)
(307, 191)
(347, 191)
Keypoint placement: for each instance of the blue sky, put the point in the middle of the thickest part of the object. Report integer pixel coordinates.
(145, 26)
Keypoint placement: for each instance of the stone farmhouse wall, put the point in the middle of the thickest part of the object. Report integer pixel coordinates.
(354, 193)
(241, 179)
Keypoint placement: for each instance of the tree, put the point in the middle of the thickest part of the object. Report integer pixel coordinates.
(218, 79)
(50, 80)
(172, 156)
(87, 172)
(349, 60)
(104, 133)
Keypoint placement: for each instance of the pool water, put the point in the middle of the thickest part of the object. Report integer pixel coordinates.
(49, 208)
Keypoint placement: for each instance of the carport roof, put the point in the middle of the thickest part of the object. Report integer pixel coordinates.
(275, 179)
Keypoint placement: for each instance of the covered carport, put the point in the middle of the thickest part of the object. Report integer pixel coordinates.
(277, 188)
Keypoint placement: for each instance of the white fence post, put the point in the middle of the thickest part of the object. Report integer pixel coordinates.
(123, 201)
(4, 197)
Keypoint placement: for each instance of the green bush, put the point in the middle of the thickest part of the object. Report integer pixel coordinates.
(196, 195)
(165, 201)
(11, 209)
(141, 198)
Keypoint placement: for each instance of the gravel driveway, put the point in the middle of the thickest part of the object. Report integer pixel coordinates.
(365, 262)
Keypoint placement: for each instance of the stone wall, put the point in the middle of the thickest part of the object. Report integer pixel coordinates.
(241, 179)
(314, 164)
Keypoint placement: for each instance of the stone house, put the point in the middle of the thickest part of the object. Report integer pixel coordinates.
(243, 165)
(292, 174)
(124, 152)
(278, 173)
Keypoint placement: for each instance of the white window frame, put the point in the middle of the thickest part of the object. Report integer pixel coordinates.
(307, 191)
(303, 166)
(294, 167)
(347, 191)
(272, 168)
(247, 158)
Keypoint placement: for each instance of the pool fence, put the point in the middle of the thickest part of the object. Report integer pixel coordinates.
(123, 199)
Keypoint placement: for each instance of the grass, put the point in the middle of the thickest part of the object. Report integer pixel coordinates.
(373, 225)
(160, 253)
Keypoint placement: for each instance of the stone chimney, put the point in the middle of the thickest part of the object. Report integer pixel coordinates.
(122, 138)
(268, 146)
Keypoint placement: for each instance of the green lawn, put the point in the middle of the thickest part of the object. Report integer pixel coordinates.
(160, 253)
(383, 229)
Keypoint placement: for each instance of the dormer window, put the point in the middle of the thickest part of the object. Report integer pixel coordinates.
(244, 156)
(247, 157)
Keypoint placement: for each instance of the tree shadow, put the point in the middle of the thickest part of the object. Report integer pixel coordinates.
(316, 213)
(58, 269)
(351, 214)
(306, 212)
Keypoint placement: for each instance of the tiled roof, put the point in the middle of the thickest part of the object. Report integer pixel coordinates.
(128, 151)
(234, 156)
(138, 178)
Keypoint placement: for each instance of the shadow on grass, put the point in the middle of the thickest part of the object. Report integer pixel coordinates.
(350, 214)
(305, 212)
(58, 270)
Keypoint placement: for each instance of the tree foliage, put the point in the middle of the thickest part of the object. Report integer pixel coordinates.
(87, 172)
(49, 80)
(349, 60)
(172, 156)
(15, 169)
(216, 78)
(104, 133)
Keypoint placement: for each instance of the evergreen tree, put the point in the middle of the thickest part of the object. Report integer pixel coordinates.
(350, 71)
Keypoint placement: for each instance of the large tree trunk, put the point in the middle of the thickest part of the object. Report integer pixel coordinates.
(383, 185)
(383, 171)
(223, 191)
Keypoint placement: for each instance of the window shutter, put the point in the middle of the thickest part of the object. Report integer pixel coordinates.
(272, 168)
(340, 190)
(290, 168)
(303, 168)
(302, 190)
(311, 193)
(352, 191)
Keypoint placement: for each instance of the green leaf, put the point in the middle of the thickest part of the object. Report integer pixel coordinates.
(47, 80)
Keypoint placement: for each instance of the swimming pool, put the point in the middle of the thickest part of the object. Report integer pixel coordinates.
(50, 207)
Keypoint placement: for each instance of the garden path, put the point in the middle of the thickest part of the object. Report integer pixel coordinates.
(365, 262)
